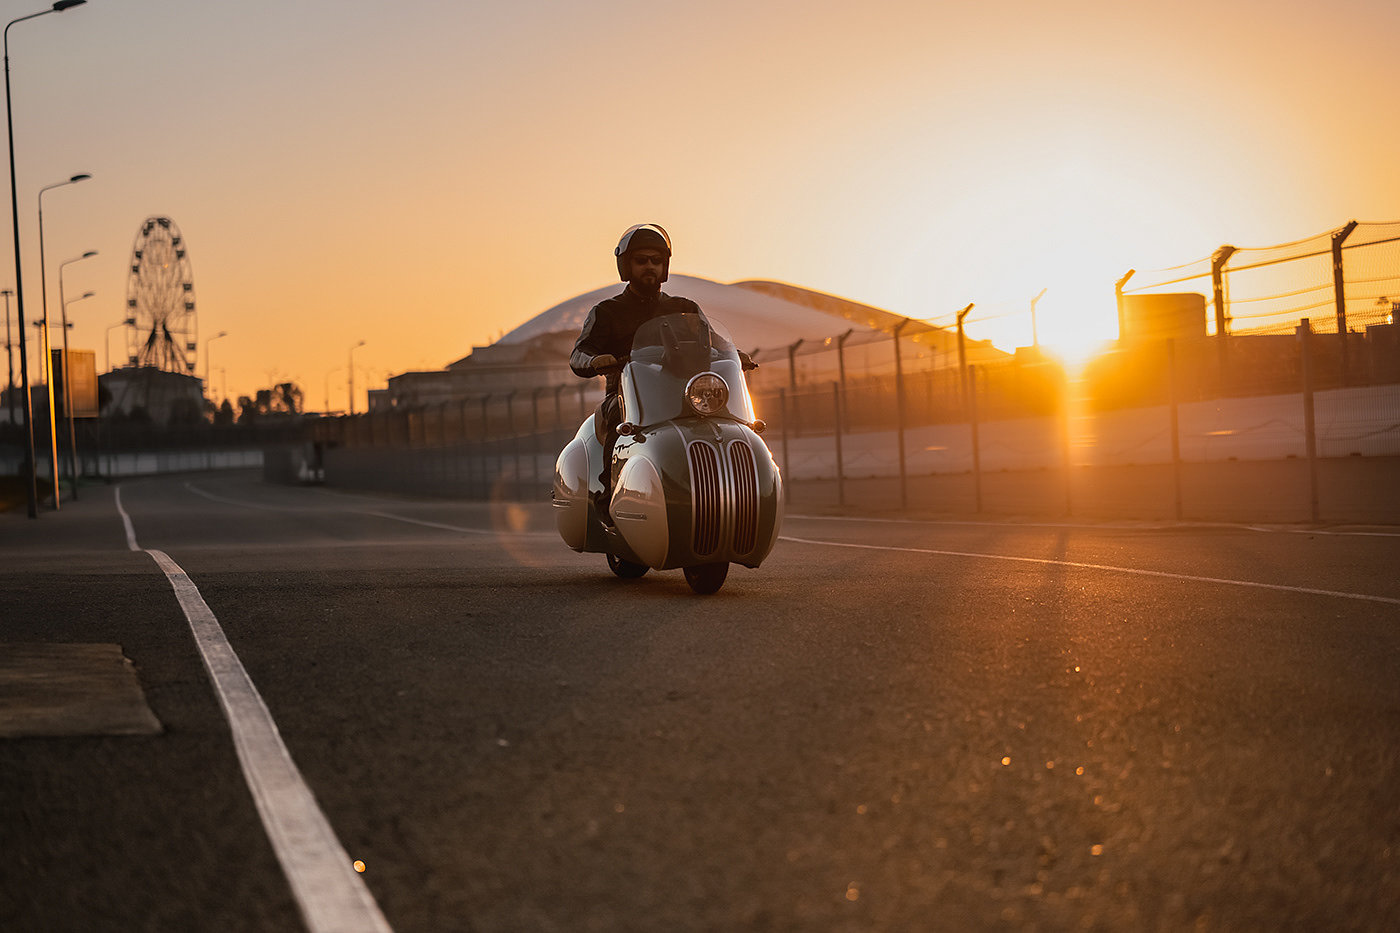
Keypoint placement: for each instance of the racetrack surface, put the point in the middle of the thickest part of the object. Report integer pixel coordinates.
(891, 725)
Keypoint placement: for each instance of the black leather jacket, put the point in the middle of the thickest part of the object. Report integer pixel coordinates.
(611, 325)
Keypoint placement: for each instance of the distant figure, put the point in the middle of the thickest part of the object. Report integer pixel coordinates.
(643, 262)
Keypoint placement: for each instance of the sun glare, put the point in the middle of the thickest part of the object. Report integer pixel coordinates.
(1071, 320)
(1062, 223)
(1078, 323)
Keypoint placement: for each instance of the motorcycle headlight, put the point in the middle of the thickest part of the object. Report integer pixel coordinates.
(708, 393)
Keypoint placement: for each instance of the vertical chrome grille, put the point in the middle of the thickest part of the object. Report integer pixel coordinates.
(724, 498)
(744, 474)
(706, 498)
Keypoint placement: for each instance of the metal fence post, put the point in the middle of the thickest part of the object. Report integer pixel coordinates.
(792, 364)
(899, 415)
(841, 365)
(535, 440)
(1118, 296)
(976, 441)
(1066, 445)
(1222, 324)
(1340, 294)
(787, 463)
(514, 442)
(1173, 400)
(840, 468)
(1309, 426)
(485, 430)
(792, 384)
(962, 355)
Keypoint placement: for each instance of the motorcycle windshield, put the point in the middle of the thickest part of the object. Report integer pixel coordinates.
(667, 353)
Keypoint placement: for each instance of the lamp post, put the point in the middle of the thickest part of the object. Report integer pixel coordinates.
(327, 388)
(68, 385)
(33, 484)
(352, 375)
(208, 345)
(107, 339)
(48, 356)
(9, 355)
(44, 307)
(1035, 336)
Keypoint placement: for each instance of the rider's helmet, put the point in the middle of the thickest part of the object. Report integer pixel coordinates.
(643, 236)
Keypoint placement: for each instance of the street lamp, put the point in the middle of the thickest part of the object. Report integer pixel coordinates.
(1035, 337)
(207, 345)
(48, 352)
(58, 7)
(107, 339)
(9, 354)
(68, 382)
(67, 391)
(44, 300)
(327, 387)
(352, 375)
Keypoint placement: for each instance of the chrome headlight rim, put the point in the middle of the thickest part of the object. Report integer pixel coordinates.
(707, 394)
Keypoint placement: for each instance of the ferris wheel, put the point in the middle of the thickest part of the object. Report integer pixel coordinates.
(160, 299)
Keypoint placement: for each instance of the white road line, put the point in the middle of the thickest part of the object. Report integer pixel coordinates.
(1108, 525)
(330, 893)
(1104, 567)
(464, 530)
(1322, 531)
(882, 520)
(377, 514)
(247, 505)
(415, 521)
(126, 520)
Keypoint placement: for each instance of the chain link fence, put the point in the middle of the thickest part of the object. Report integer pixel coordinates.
(1296, 366)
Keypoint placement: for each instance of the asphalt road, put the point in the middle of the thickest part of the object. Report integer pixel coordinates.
(891, 725)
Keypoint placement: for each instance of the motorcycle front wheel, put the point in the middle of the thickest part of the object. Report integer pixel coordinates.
(707, 578)
(625, 568)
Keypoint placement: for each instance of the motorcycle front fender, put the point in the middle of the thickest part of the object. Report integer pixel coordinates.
(698, 492)
(575, 472)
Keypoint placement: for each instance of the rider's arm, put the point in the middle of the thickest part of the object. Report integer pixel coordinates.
(587, 350)
(589, 365)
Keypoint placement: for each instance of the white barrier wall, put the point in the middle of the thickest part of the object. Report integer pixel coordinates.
(177, 461)
(1348, 422)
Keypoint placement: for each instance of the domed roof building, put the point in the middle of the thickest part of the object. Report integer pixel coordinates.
(796, 329)
(757, 314)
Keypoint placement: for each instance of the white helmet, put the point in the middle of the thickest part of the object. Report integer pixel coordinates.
(643, 236)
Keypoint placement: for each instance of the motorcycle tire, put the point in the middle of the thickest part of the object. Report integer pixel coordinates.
(625, 568)
(707, 578)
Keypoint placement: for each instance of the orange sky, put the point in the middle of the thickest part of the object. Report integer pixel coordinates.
(426, 175)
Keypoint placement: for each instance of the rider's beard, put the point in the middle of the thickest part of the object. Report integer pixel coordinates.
(648, 283)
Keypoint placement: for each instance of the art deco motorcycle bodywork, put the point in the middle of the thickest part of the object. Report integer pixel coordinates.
(693, 485)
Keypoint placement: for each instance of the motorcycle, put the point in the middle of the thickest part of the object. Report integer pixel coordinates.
(693, 484)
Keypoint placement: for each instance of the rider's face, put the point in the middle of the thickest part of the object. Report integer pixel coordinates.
(646, 266)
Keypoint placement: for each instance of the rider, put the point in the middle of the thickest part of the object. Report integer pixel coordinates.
(643, 261)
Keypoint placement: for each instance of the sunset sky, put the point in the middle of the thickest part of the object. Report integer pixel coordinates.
(424, 175)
